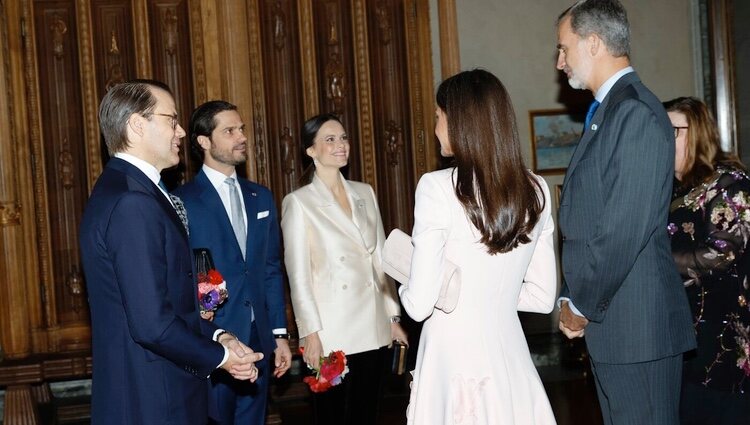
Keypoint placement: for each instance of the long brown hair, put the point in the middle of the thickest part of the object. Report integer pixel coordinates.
(703, 148)
(498, 193)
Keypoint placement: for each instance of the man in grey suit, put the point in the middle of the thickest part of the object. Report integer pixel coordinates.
(621, 288)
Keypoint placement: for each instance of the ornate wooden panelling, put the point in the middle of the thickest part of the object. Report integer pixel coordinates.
(390, 103)
(171, 63)
(282, 80)
(337, 81)
(64, 155)
(113, 42)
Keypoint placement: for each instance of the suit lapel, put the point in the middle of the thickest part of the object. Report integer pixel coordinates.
(251, 209)
(210, 197)
(595, 125)
(331, 209)
(146, 185)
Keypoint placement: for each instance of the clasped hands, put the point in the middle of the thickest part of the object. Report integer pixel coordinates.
(571, 324)
(241, 361)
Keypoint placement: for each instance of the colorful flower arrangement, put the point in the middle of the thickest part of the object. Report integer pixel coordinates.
(212, 291)
(329, 373)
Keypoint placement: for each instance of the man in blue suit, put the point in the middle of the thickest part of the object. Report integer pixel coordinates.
(621, 288)
(236, 220)
(152, 352)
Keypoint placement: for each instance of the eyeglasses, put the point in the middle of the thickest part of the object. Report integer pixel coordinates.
(677, 130)
(172, 119)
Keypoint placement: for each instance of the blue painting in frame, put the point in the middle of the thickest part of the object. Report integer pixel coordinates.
(554, 137)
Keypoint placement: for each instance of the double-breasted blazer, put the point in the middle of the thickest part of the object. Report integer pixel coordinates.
(151, 350)
(338, 287)
(617, 264)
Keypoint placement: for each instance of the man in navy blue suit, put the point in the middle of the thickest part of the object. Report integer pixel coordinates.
(236, 220)
(621, 288)
(152, 352)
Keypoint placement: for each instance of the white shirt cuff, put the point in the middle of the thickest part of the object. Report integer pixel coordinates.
(279, 331)
(570, 304)
(226, 350)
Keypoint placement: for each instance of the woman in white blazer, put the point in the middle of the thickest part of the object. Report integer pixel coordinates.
(333, 238)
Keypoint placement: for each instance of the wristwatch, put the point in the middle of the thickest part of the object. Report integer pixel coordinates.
(218, 336)
(395, 319)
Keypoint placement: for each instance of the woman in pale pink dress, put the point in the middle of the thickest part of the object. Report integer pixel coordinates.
(489, 216)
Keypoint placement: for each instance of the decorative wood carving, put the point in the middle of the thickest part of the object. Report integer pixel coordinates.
(65, 162)
(336, 83)
(393, 142)
(450, 60)
(384, 22)
(198, 58)
(141, 35)
(10, 214)
(288, 149)
(258, 96)
(279, 26)
(58, 29)
(170, 32)
(114, 73)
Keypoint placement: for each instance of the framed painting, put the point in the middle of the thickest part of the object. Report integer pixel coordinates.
(554, 137)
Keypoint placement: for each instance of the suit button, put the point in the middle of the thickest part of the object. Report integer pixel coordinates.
(369, 282)
(563, 238)
(342, 258)
(190, 274)
(247, 303)
(344, 287)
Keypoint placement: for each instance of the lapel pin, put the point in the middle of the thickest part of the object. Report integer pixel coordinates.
(594, 127)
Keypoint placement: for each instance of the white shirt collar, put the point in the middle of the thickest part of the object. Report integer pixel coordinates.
(217, 178)
(607, 86)
(149, 170)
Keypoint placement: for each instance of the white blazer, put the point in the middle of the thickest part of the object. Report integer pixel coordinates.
(338, 287)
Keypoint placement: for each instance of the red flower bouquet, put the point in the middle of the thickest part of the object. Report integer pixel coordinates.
(329, 373)
(212, 290)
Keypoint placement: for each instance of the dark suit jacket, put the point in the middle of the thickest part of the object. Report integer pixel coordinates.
(255, 282)
(151, 351)
(617, 265)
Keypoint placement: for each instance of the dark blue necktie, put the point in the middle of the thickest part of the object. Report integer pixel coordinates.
(163, 186)
(590, 114)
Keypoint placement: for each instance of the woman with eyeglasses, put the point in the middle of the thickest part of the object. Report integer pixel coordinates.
(709, 225)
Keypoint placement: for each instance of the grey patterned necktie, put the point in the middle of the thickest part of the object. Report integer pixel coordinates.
(179, 207)
(181, 211)
(238, 220)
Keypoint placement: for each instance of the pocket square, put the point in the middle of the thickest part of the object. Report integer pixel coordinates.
(397, 264)
(262, 214)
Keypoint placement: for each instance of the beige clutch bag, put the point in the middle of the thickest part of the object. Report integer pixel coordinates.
(397, 264)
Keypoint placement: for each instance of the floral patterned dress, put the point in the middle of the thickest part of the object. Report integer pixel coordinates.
(709, 227)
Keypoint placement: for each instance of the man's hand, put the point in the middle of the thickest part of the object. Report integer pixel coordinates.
(241, 361)
(313, 351)
(571, 324)
(282, 357)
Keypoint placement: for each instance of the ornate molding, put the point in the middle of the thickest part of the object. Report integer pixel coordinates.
(88, 86)
(199, 59)
(41, 207)
(416, 74)
(364, 96)
(308, 59)
(10, 214)
(143, 66)
(258, 94)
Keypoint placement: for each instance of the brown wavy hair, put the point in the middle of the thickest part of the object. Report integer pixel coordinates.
(497, 191)
(703, 144)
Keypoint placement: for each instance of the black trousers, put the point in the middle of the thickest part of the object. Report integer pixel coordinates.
(355, 400)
